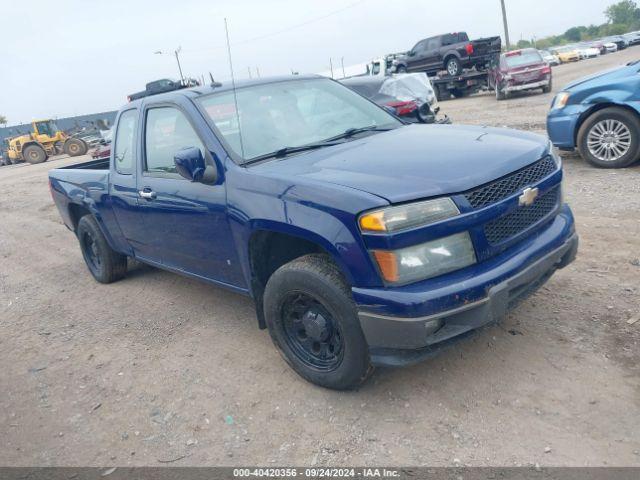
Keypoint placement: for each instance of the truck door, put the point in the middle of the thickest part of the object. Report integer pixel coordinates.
(185, 222)
(123, 193)
(415, 61)
(433, 60)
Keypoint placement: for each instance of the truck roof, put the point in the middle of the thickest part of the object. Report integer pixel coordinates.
(194, 92)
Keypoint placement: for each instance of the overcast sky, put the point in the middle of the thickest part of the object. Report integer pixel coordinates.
(81, 56)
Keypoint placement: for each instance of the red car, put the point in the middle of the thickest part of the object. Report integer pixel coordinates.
(519, 70)
(101, 151)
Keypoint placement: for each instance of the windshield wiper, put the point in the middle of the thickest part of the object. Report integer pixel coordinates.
(284, 151)
(350, 132)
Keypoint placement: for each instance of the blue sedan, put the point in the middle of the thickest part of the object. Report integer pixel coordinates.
(600, 116)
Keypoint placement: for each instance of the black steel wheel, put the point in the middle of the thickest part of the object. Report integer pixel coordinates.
(311, 331)
(105, 264)
(314, 324)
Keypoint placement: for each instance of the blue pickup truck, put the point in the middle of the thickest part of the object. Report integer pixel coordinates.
(362, 240)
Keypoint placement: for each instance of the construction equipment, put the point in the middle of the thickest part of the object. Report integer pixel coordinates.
(46, 139)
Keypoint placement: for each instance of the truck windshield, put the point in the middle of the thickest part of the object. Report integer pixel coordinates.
(290, 114)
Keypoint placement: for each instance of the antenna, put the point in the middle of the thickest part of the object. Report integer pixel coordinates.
(233, 86)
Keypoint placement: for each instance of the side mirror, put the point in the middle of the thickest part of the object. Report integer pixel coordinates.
(412, 53)
(190, 164)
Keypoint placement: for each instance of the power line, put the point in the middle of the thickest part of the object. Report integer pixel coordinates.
(284, 30)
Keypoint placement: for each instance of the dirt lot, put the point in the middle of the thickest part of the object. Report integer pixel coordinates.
(159, 368)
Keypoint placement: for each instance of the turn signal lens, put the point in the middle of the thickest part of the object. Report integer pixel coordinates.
(561, 100)
(388, 265)
(373, 222)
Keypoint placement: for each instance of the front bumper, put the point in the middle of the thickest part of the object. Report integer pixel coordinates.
(401, 340)
(527, 86)
(561, 125)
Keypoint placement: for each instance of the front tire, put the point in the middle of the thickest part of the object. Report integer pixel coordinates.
(549, 87)
(500, 95)
(105, 264)
(610, 138)
(75, 147)
(314, 324)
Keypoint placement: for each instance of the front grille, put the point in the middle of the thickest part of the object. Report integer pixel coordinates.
(506, 186)
(511, 224)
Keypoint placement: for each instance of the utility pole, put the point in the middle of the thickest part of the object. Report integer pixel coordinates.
(331, 67)
(177, 51)
(506, 26)
(342, 63)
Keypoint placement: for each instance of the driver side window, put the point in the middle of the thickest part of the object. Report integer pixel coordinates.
(167, 130)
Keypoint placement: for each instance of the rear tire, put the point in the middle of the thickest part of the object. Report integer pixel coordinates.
(75, 147)
(442, 93)
(548, 88)
(105, 264)
(314, 324)
(401, 69)
(615, 125)
(34, 154)
(453, 66)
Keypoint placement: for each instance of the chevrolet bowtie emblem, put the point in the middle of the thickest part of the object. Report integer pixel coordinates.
(528, 196)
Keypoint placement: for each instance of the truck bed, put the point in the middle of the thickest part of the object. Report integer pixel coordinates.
(99, 164)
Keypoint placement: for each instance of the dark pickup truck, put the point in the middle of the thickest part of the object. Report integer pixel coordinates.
(361, 239)
(162, 86)
(452, 52)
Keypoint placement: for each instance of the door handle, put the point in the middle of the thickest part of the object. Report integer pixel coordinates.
(147, 193)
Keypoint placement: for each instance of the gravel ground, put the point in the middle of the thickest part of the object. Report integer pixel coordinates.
(158, 368)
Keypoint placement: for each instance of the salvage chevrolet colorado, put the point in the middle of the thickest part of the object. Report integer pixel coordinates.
(361, 239)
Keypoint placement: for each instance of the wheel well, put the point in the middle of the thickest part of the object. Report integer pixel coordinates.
(448, 57)
(596, 108)
(268, 251)
(76, 212)
(28, 144)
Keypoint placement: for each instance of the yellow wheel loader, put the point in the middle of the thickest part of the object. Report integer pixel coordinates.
(46, 139)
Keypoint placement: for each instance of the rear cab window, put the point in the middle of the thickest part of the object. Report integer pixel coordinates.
(124, 143)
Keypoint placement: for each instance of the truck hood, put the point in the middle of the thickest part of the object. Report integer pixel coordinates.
(415, 161)
(604, 77)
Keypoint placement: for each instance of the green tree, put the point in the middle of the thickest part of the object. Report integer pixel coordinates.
(3, 120)
(523, 44)
(625, 12)
(574, 34)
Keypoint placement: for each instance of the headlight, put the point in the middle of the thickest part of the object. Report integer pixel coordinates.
(561, 100)
(412, 215)
(426, 260)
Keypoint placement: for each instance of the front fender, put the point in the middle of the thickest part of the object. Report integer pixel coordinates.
(323, 215)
